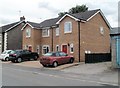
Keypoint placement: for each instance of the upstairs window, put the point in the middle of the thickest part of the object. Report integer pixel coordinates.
(45, 33)
(67, 27)
(28, 32)
(57, 31)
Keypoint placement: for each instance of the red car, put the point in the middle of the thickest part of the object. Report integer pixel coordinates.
(55, 59)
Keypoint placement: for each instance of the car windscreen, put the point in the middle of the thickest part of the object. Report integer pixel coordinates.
(49, 54)
(7, 52)
(15, 52)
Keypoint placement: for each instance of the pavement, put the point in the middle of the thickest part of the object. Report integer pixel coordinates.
(36, 64)
(104, 71)
(94, 68)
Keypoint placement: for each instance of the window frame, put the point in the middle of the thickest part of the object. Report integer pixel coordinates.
(71, 46)
(38, 49)
(102, 30)
(70, 27)
(58, 48)
(28, 30)
(57, 31)
(48, 32)
(44, 48)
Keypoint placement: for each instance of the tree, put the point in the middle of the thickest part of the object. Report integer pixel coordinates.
(62, 13)
(76, 9)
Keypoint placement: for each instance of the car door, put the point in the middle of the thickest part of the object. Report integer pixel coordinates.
(27, 54)
(23, 54)
(63, 57)
(58, 58)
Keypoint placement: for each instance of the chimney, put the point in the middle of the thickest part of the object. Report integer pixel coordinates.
(22, 18)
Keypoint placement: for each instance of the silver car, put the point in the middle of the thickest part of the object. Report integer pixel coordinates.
(5, 55)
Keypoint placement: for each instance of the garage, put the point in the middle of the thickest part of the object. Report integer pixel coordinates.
(115, 47)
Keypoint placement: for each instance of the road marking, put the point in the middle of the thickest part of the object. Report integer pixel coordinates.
(56, 76)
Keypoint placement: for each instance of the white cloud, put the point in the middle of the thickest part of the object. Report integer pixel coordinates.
(39, 10)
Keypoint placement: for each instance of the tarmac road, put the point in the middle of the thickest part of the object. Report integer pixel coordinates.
(13, 75)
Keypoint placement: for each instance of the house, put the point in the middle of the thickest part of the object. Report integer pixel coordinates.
(75, 34)
(11, 35)
(31, 36)
(115, 43)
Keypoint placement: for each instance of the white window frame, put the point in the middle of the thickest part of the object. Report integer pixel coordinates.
(29, 33)
(71, 46)
(58, 48)
(48, 32)
(57, 31)
(45, 46)
(102, 30)
(38, 49)
(69, 23)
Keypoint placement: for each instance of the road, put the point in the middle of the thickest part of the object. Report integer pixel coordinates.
(13, 75)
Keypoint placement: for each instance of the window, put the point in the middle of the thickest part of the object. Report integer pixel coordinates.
(45, 32)
(67, 27)
(45, 49)
(26, 47)
(57, 31)
(28, 32)
(38, 49)
(62, 54)
(71, 48)
(57, 48)
(101, 30)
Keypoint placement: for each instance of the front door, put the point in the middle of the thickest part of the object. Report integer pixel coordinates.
(64, 48)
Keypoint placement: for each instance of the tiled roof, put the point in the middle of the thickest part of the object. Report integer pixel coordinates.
(49, 22)
(33, 24)
(115, 30)
(6, 27)
(85, 15)
(82, 15)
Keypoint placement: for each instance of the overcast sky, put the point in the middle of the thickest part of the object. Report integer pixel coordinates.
(39, 10)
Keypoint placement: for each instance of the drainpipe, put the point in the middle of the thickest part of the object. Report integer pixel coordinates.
(79, 40)
(52, 39)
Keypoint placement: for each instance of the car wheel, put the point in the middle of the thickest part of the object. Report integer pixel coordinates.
(55, 64)
(71, 60)
(19, 60)
(6, 59)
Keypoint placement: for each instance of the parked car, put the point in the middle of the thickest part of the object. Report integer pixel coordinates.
(21, 55)
(55, 59)
(4, 56)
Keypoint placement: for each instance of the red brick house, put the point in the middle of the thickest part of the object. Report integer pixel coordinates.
(75, 34)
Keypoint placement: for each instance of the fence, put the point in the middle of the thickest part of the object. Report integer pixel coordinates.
(97, 57)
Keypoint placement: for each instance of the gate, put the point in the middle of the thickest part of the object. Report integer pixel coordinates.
(97, 57)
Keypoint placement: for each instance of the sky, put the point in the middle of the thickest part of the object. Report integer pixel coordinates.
(40, 10)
